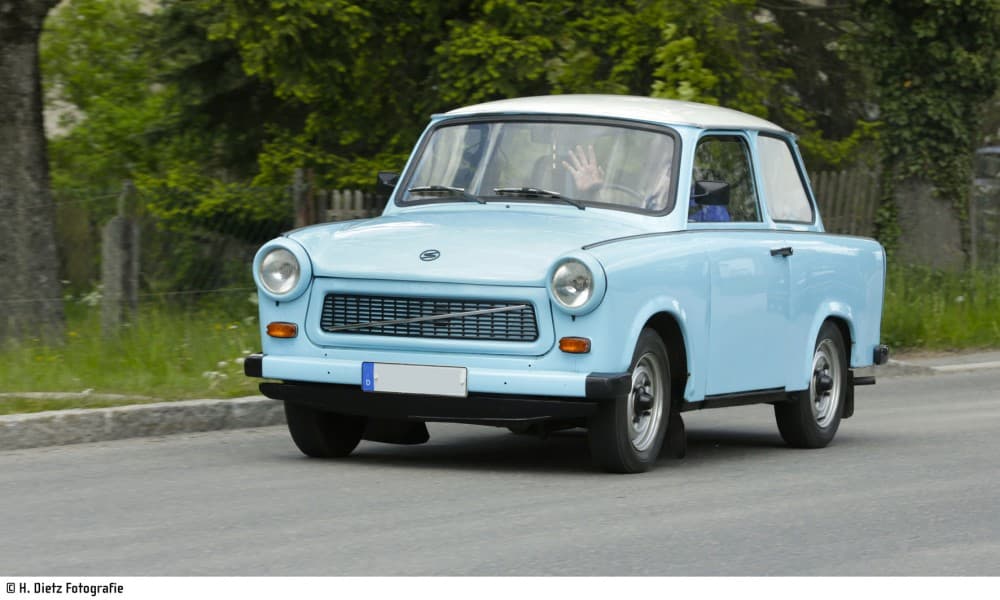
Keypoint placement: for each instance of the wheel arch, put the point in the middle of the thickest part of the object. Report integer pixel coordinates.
(845, 333)
(841, 316)
(667, 326)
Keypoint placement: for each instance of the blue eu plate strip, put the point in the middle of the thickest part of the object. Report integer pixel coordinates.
(368, 376)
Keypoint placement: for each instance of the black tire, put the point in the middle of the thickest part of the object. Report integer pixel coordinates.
(812, 420)
(625, 436)
(322, 434)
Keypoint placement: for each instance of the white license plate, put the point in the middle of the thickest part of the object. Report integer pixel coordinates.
(414, 379)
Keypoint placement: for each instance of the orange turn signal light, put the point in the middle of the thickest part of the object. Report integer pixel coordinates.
(574, 345)
(280, 329)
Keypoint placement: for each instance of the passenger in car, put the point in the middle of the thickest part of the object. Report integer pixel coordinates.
(707, 214)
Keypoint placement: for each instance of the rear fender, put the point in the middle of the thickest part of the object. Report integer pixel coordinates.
(833, 309)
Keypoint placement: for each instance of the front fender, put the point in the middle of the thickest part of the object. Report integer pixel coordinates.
(693, 344)
(653, 276)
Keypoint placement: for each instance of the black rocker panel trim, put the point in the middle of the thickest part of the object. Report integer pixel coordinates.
(768, 396)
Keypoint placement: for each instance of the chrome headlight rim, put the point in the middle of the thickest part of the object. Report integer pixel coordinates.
(598, 284)
(279, 271)
(304, 269)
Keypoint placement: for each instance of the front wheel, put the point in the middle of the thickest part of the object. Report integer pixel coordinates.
(812, 420)
(626, 433)
(322, 434)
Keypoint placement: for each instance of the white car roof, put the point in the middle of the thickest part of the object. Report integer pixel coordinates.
(637, 108)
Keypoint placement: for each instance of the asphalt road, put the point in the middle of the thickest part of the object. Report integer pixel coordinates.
(911, 486)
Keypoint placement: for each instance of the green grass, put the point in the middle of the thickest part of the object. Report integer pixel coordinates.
(170, 354)
(166, 354)
(934, 310)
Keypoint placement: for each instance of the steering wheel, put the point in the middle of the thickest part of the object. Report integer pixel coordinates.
(639, 200)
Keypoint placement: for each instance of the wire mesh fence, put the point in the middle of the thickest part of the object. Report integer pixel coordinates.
(985, 217)
(183, 258)
(131, 249)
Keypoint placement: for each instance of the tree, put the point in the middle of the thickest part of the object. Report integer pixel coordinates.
(30, 296)
(146, 96)
(361, 69)
(98, 70)
(219, 93)
(369, 73)
(935, 63)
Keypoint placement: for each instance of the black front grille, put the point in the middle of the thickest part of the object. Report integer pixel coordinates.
(343, 310)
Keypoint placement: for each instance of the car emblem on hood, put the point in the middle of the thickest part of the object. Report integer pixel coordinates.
(428, 255)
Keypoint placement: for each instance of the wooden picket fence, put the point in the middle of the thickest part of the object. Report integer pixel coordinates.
(315, 205)
(847, 200)
(343, 205)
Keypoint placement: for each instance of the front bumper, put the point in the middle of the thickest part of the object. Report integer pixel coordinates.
(484, 408)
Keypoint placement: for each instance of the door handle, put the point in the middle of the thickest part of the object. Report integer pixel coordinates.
(786, 251)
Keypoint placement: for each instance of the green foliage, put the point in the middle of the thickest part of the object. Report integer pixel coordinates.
(96, 74)
(939, 310)
(484, 60)
(935, 64)
(360, 69)
(166, 354)
(185, 197)
(220, 116)
(232, 91)
(148, 97)
(370, 73)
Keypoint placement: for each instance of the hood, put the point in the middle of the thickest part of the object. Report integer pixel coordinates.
(497, 246)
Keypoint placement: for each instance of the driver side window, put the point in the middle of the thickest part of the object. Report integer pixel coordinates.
(725, 159)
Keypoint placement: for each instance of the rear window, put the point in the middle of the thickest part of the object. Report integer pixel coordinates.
(785, 192)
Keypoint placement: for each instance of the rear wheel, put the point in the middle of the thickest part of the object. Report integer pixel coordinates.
(626, 434)
(322, 434)
(812, 420)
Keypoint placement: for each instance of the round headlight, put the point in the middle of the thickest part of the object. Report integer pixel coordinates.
(572, 284)
(279, 271)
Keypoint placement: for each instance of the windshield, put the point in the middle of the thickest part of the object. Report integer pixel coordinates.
(545, 161)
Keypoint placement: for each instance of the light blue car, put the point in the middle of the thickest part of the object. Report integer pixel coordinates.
(605, 262)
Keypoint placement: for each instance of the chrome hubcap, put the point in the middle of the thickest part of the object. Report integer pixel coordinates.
(824, 389)
(645, 402)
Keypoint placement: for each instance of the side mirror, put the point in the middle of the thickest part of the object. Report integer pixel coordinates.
(388, 179)
(710, 193)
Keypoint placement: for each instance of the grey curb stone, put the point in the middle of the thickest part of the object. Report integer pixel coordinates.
(896, 368)
(77, 426)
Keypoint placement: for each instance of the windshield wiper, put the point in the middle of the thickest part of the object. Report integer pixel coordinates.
(445, 189)
(533, 192)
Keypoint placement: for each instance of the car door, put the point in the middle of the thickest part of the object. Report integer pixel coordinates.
(813, 262)
(749, 273)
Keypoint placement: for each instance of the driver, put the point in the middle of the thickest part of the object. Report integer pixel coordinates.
(589, 178)
(582, 165)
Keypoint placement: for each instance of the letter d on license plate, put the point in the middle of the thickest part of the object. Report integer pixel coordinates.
(414, 379)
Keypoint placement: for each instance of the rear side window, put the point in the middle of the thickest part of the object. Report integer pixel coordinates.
(785, 193)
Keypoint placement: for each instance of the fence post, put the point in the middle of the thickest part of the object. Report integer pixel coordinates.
(300, 199)
(120, 264)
